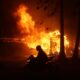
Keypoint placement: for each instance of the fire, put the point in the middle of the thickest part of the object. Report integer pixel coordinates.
(49, 41)
(25, 20)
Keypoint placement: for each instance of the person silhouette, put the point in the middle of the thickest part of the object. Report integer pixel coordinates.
(42, 57)
(37, 64)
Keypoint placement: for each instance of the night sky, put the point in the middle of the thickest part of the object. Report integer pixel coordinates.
(44, 12)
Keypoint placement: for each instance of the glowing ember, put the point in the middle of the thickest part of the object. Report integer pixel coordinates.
(49, 41)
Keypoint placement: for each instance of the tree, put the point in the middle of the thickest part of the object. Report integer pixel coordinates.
(62, 53)
(76, 49)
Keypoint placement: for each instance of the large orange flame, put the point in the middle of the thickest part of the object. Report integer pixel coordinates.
(49, 41)
(25, 23)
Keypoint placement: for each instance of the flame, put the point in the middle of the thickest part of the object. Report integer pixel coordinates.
(35, 36)
(25, 20)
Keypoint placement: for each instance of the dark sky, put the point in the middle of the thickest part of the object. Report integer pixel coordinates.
(44, 12)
